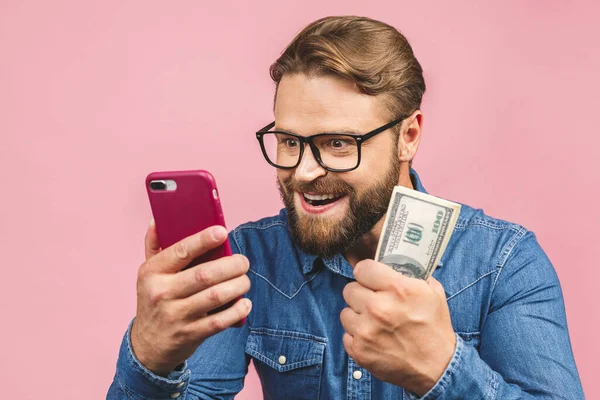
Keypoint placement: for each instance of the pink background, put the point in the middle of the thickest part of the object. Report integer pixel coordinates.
(94, 95)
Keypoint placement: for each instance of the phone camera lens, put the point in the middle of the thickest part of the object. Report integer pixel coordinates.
(158, 185)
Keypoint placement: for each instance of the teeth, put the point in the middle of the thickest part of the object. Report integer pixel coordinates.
(319, 196)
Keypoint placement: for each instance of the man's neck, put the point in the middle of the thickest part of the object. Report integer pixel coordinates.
(367, 244)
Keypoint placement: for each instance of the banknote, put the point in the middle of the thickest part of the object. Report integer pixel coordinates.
(416, 232)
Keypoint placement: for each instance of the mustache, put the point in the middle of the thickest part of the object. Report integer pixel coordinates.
(319, 185)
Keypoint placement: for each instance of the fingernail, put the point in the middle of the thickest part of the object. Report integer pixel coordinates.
(152, 223)
(247, 304)
(219, 233)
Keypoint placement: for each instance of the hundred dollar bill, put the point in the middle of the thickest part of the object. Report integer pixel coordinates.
(416, 232)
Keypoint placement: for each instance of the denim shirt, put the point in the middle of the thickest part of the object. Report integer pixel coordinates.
(505, 303)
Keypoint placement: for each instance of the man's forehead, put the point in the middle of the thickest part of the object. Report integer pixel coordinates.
(308, 105)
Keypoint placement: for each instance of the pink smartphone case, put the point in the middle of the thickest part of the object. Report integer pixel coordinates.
(191, 208)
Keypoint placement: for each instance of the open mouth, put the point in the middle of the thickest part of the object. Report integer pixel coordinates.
(317, 200)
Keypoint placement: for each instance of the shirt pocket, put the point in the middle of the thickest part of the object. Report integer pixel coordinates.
(289, 364)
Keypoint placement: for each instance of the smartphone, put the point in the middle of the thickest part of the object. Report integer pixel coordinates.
(184, 203)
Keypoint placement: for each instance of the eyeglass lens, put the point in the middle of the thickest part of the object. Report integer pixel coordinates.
(336, 151)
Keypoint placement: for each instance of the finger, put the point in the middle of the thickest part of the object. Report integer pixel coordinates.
(357, 296)
(378, 276)
(222, 320)
(151, 241)
(437, 286)
(216, 296)
(348, 341)
(349, 320)
(182, 253)
(202, 276)
(374, 275)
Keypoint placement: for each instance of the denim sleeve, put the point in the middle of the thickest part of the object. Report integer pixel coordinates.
(134, 381)
(525, 350)
(215, 371)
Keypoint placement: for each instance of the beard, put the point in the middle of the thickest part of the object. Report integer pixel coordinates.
(326, 237)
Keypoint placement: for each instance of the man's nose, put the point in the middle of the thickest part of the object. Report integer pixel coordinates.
(309, 169)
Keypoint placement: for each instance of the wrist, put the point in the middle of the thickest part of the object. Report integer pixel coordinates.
(438, 367)
(138, 349)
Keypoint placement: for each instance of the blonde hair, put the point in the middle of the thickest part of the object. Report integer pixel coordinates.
(373, 55)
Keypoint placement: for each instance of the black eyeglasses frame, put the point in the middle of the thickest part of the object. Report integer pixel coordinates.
(316, 153)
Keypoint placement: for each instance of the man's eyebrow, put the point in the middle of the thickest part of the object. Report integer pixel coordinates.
(344, 131)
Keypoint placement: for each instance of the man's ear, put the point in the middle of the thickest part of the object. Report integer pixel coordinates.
(410, 136)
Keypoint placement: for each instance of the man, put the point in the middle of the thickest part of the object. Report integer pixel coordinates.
(328, 322)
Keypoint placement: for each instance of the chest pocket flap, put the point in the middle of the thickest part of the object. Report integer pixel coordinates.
(285, 351)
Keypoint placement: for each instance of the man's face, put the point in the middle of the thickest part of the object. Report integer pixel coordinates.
(328, 212)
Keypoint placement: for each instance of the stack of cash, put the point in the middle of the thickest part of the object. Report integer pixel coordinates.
(416, 232)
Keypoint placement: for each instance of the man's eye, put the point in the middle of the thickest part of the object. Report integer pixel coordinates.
(291, 142)
(338, 143)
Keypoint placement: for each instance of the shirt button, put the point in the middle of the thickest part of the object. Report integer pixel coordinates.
(282, 360)
(180, 385)
(175, 395)
(357, 374)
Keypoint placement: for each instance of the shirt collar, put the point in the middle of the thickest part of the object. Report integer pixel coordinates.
(416, 181)
(338, 264)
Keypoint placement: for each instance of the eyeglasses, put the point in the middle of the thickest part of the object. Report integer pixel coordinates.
(335, 152)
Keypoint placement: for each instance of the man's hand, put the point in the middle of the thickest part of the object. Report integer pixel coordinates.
(398, 328)
(172, 305)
